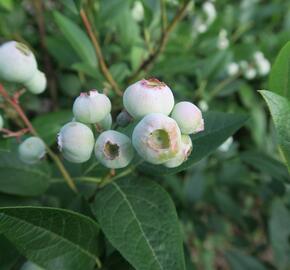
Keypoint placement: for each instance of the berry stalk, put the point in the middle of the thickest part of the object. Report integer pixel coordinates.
(99, 54)
(147, 64)
(14, 103)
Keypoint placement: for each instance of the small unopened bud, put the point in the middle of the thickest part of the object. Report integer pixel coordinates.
(124, 119)
(114, 149)
(188, 117)
(157, 138)
(91, 107)
(17, 62)
(31, 150)
(76, 142)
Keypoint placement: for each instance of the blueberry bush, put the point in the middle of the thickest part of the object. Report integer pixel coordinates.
(142, 134)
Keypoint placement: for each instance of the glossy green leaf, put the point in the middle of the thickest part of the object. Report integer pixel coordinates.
(280, 112)
(48, 125)
(280, 73)
(279, 229)
(218, 127)
(18, 178)
(139, 219)
(53, 238)
(77, 39)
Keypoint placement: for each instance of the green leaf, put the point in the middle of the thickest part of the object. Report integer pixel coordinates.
(48, 125)
(59, 48)
(77, 39)
(218, 127)
(279, 230)
(139, 219)
(265, 164)
(8, 254)
(241, 261)
(52, 238)
(18, 178)
(280, 73)
(280, 112)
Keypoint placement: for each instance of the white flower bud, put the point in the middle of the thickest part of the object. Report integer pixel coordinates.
(138, 11)
(233, 69)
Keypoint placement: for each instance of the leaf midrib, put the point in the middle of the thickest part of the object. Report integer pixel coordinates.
(138, 223)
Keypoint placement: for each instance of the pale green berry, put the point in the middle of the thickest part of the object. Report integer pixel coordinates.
(114, 149)
(1, 121)
(91, 107)
(106, 123)
(17, 62)
(31, 150)
(30, 266)
(156, 138)
(37, 83)
(76, 142)
(148, 96)
(183, 153)
(124, 119)
(188, 117)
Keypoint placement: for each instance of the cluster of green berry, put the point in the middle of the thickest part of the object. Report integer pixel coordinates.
(157, 138)
(18, 65)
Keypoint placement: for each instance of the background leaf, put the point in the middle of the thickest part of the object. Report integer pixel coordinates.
(280, 73)
(139, 219)
(279, 229)
(20, 179)
(77, 38)
(280, 112)
(241, 261)
(48, 125)
(53, 238)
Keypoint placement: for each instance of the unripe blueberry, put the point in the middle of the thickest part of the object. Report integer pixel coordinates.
(157, 138)
(188, 117)
(30, 266)
(17, 62)
(76, 142)
(106, 123)
(91, 107)
(31, 150)
(124, 119)
(114, 149)
(37, 83)
(148, 96)
(183, 153)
